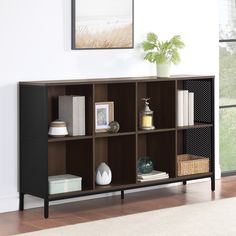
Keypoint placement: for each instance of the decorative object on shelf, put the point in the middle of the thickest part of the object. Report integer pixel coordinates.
(110, 26)
(146, 116)
(145, 165)
(72, 111)
(190, 164)
(64, 183)
(114, 127)
(163, 53)
(58, 129)
(103, 174)
(190, 108)
(185, 108)
(104, 114)
(153, 175)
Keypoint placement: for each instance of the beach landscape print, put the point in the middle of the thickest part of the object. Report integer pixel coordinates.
(100, 24)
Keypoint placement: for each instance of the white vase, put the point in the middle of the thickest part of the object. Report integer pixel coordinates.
(163, 70)
(103, 174)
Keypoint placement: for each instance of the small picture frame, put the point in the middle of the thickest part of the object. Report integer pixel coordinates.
(104, 114)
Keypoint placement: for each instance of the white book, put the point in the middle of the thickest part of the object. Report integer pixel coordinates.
(156, 178)
(153, 174)
(190, 108)
(180, 120)
(185, 107)
(72, 111)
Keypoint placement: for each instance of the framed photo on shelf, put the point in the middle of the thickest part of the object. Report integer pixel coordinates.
(104, 24)
(104, 114)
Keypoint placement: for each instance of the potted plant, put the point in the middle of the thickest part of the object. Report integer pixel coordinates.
(163, 53)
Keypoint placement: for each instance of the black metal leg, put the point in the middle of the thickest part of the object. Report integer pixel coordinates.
(122, 194)
(212, 184)
(184, 182)
(21, 203)
(46, 203)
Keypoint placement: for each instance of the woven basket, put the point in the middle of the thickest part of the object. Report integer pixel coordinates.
(189, 164)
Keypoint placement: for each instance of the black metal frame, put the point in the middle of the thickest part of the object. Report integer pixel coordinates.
(73, 29)
(209, 117)
(33, 144)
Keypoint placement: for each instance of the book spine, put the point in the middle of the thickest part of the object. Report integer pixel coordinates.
(78, 115)
(72, 111)
(180, 98)
(65, 112)
(191, 108)
(160, 178)
(185, 107)
(151, 176)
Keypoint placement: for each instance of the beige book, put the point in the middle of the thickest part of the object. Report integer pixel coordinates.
(72, 111)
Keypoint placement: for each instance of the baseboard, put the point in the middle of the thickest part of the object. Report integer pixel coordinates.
(11, 202)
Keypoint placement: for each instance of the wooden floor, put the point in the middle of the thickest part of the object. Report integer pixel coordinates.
(89, 210)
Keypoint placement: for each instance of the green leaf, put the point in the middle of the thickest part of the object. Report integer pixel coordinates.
(151, 37)
(150, 56)
(177, 42)
(147, 46)
(175, 57)
(160, 58)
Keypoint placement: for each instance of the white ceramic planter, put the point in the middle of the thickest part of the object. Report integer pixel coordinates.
(163, 70)
(103, 174)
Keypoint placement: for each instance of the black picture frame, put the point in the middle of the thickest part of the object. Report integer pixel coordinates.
(111, 32)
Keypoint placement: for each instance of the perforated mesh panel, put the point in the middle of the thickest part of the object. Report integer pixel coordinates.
(202, 99)
(198, 142)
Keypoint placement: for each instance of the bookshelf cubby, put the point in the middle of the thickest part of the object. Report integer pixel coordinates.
(42, 156)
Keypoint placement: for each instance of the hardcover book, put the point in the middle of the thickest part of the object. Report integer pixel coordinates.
(185, 107)
(180, 108)
(72, 111)
(191, 108)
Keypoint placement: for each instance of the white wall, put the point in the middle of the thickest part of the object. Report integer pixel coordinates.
(35, 44)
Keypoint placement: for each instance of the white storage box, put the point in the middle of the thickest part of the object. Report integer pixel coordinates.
(64, 183)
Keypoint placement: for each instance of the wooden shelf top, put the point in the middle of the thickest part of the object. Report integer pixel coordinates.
(113, 80)
(195, 126)
(103, 135)
(155, 130)
(68, 138)
(96, 135)
(107, 135)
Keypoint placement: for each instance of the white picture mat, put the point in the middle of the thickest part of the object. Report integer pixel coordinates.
(98, 109)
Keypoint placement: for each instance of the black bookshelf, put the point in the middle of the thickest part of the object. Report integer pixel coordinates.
(42, 156)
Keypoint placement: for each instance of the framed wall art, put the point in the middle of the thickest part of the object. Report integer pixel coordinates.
(103, 24)
(104, 114)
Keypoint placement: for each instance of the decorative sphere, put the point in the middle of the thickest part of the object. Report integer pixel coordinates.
(113, 127)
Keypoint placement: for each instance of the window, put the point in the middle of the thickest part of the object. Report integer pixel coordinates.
(227, 47)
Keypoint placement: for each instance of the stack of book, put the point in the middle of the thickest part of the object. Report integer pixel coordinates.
(185, 108)
(154, 175)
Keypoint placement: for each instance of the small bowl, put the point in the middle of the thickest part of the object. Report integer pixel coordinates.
(58, 129)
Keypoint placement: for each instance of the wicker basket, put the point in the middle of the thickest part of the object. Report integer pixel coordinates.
(189, 164)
